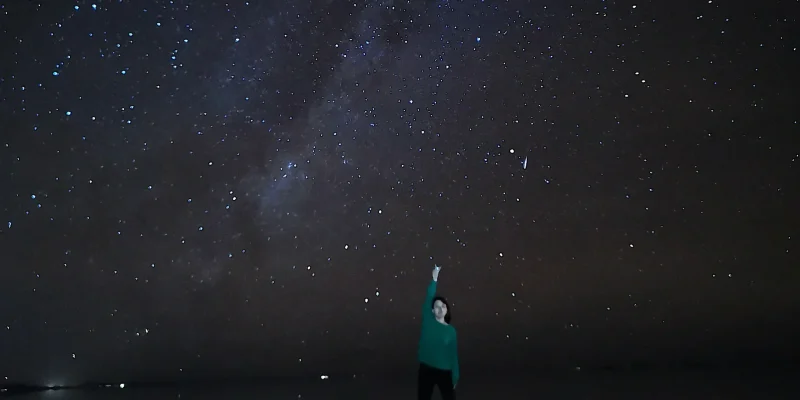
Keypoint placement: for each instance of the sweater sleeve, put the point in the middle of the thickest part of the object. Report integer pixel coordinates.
(455, 371)
(430, 293)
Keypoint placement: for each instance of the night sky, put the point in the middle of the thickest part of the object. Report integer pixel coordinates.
(258, 188)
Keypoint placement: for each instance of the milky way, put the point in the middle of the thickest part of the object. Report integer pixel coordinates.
(264, 186)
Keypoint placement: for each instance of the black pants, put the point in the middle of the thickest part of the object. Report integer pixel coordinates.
(430, 377)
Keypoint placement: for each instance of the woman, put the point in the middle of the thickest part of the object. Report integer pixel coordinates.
(438, 350)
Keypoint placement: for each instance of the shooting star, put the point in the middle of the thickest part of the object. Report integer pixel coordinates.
(525, 163)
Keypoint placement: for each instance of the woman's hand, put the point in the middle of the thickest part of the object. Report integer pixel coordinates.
(436, 270)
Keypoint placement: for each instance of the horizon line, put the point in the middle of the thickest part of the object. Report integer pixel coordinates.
(206, 379)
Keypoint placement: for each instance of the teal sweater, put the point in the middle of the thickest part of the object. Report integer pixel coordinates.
(438, 347)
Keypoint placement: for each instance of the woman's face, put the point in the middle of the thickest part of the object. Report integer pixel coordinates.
(439, 309)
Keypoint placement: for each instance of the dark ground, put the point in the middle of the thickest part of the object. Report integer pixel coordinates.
(574, 385)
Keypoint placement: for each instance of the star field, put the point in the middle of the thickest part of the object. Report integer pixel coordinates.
(206, 187)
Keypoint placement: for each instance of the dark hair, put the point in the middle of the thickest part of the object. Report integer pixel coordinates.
(443, 300)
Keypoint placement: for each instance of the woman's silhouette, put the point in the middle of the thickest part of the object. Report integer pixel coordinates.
(438, 348)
